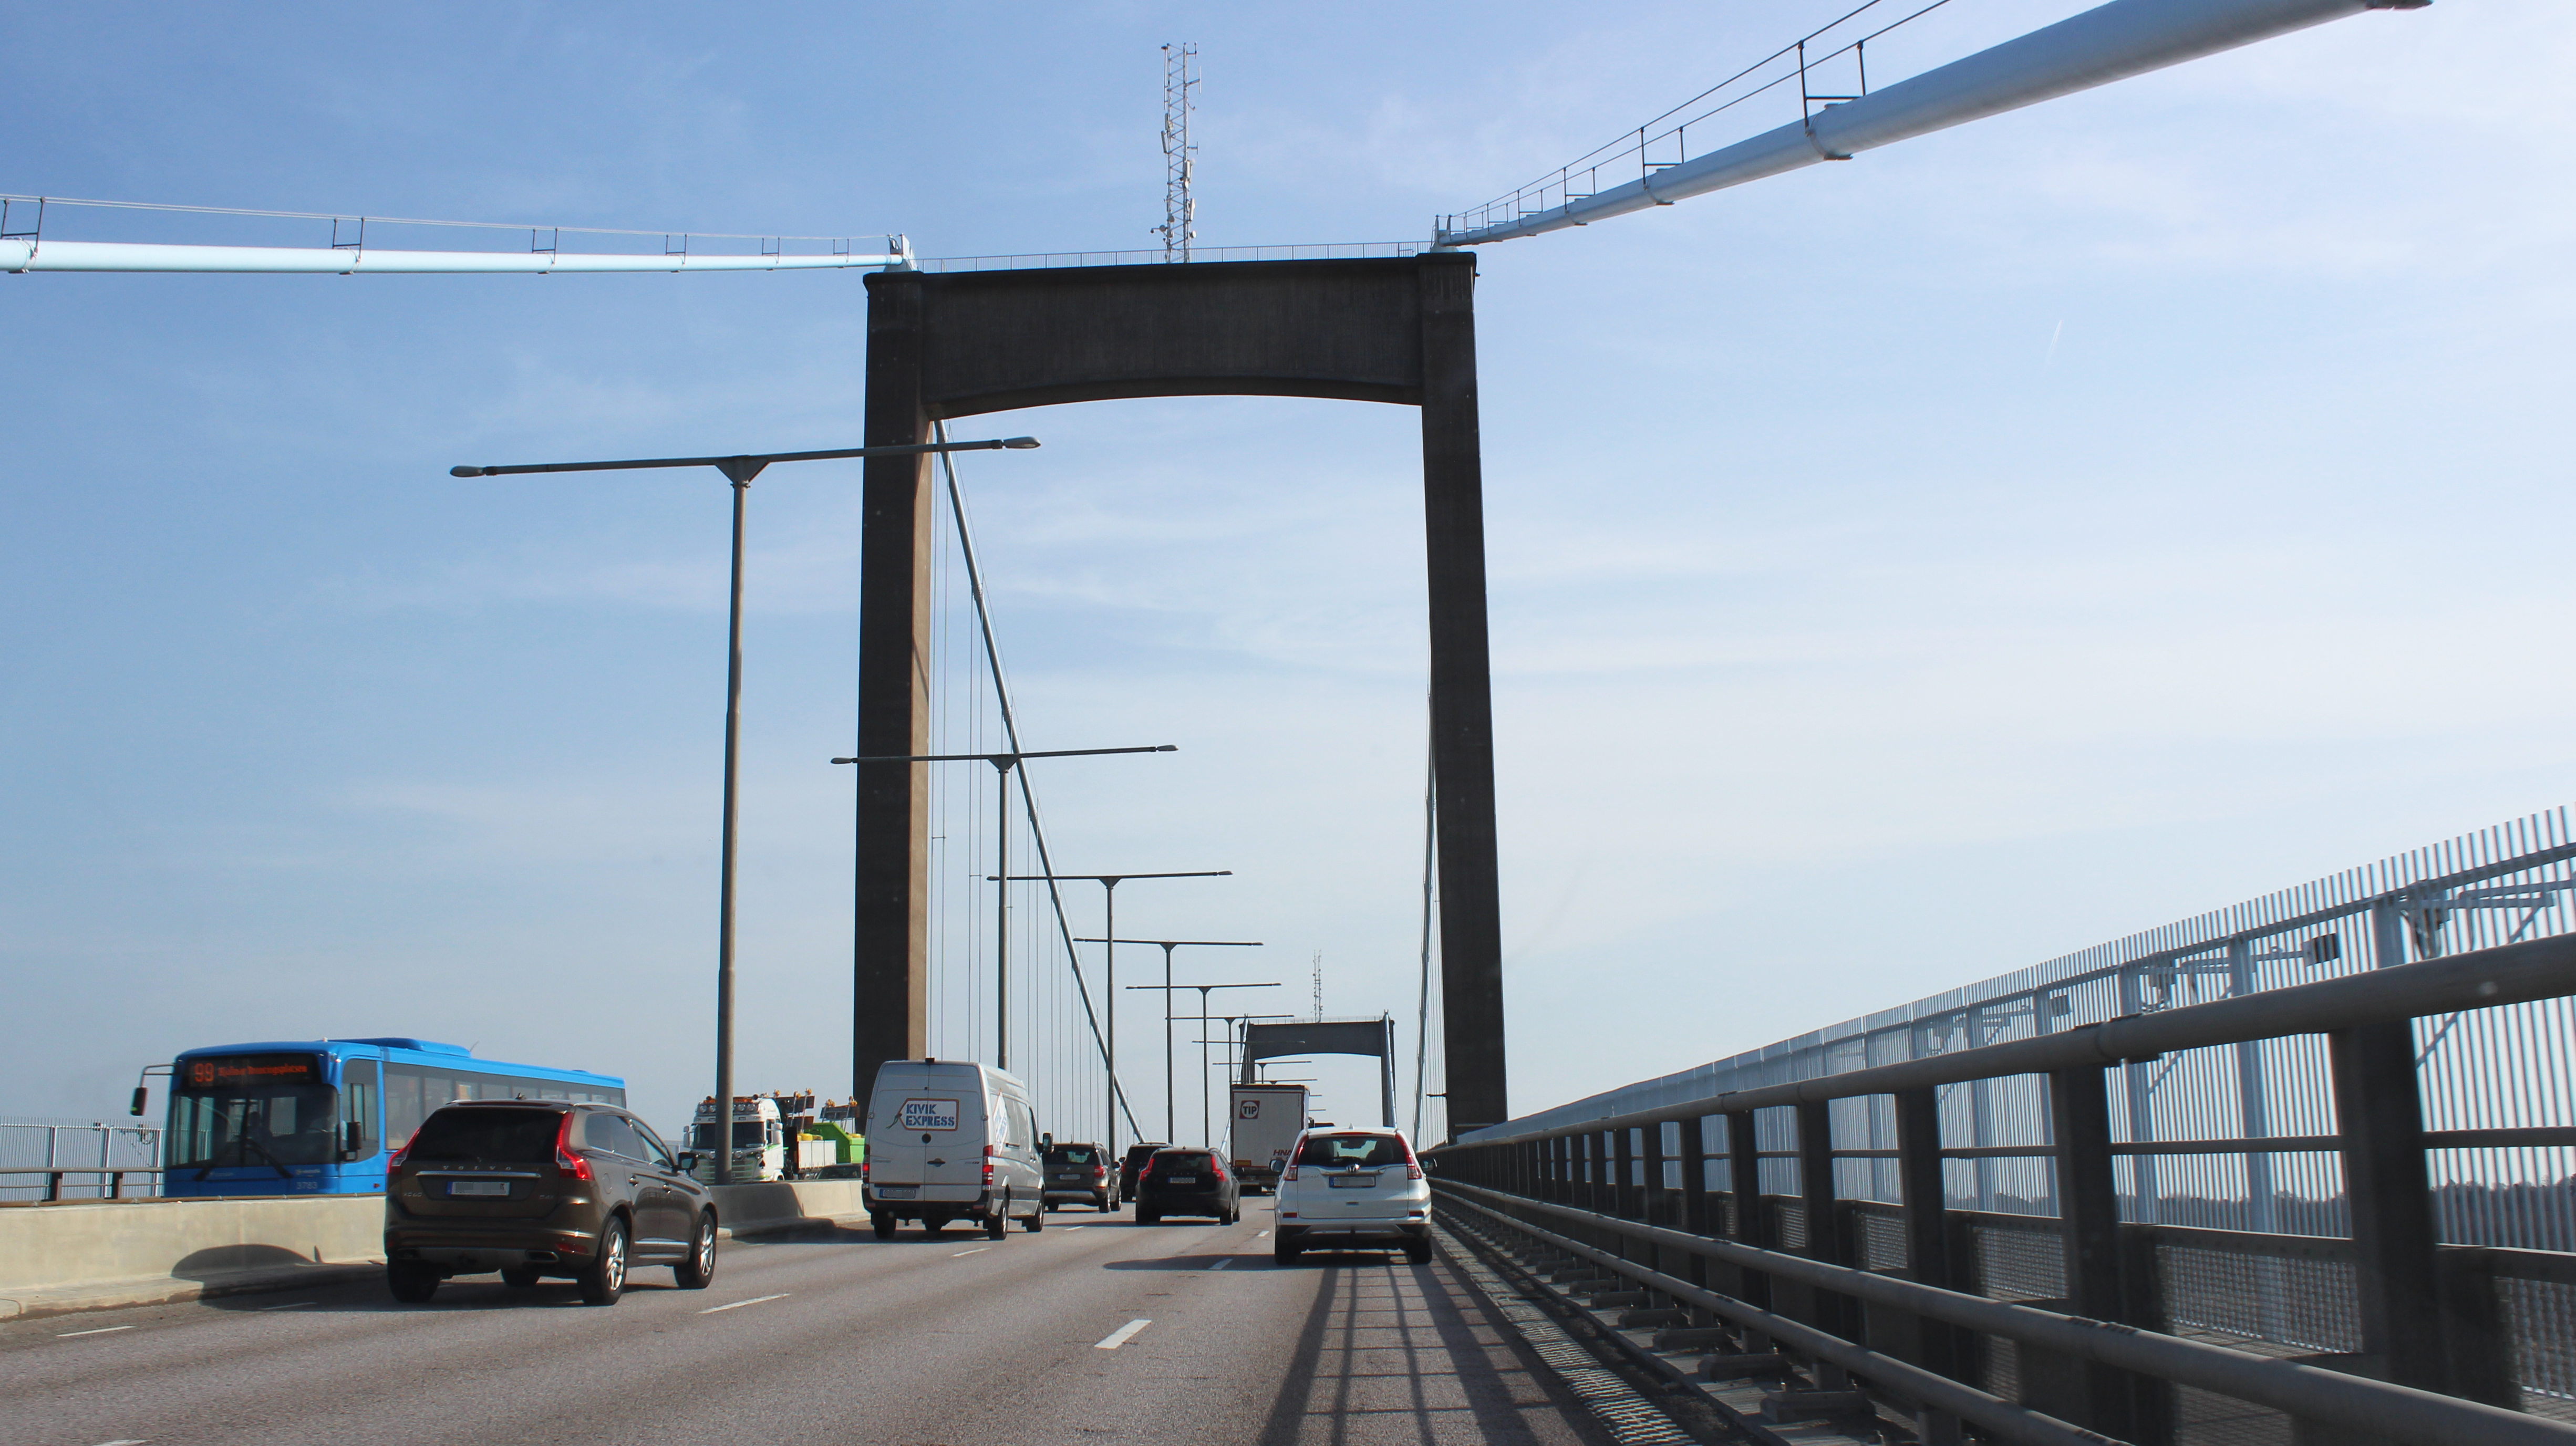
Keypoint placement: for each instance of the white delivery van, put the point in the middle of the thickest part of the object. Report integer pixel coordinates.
(1268, 1118)
(952, 1140)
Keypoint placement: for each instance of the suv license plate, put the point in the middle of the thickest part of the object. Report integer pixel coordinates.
(1182, 1180)
(499, 1188)
(897, 1192)
(1354, 1182)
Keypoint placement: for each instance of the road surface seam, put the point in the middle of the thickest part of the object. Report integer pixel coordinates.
(1629, 1417)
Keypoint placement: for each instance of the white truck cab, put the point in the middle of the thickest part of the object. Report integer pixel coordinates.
(759, 1140)
(952, 1140)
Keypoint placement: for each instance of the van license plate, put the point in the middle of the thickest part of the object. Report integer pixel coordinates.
(897, 1192)
(499, 1188)
(1354, 1182)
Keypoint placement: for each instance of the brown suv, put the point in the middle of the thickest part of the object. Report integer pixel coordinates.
(534, 1188)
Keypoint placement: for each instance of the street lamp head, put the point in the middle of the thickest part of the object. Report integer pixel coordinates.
(1020, 444)
(468, 471)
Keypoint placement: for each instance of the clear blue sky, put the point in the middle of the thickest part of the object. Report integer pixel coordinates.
(1902, 571)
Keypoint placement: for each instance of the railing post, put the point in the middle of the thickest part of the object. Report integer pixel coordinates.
(2380, 1116)
(1921, 1184)
(1623, 1153)
(1744, 1184)
(2088, 1208)
(1824, 1224)
(1695, 1195)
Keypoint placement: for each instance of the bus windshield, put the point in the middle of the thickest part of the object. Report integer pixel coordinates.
(252, 1110)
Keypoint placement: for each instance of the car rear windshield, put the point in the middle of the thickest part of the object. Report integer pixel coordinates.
(1075, 1155)
(516, 1137)
(1179, 1164)
(1366, 1151)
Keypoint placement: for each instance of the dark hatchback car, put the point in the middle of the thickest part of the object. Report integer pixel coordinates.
(1184, 1181)
(538, 1188)
(1137, 1155)
(1077, 1174)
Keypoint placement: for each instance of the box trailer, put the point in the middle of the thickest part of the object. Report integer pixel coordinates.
(1267, 1120)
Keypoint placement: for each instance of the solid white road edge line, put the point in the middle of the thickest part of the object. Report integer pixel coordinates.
(102, 1330)
(739, 1304)
(1120, 1336)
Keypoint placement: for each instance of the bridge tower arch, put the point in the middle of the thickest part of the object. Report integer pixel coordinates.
(946, 345)
(1301, 1037)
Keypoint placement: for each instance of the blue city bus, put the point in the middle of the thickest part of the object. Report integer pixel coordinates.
(317, 1117)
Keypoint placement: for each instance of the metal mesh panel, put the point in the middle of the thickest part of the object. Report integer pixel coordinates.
(2304, 1303)
(2202, 1418)
(1882, 1239)
(2541, 1317)
(1789, 1218)
(2014, 1263)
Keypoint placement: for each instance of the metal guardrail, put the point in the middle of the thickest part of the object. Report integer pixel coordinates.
(2454, 1334)
(107, 1180)
(46, 1148)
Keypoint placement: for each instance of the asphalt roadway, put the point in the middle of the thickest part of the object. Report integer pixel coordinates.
(1095, 1330)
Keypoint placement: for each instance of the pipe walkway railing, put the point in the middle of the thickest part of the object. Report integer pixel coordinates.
(2434, 1363)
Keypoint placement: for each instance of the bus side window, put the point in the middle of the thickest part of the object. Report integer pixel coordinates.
(360, 1091)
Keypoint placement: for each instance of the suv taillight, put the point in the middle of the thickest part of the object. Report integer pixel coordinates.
(394, 1161)
(1412, 1166)
(1100, 1172)
(567, 1159)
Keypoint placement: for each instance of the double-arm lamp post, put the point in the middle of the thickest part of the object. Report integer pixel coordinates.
(1206, 1129)
(739, 470)
(1171, 1111)
(1109, 985)
(1003, 763)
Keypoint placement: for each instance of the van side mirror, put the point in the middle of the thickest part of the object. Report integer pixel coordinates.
(141, 1093)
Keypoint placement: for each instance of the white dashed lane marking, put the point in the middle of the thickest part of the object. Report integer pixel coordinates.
(978, 1250)
(102, 1330)
(1222, 1264)
(292, 1305)
(1120, 1336)
(739, 1304)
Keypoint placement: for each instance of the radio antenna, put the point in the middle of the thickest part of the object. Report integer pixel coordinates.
(1180, 156)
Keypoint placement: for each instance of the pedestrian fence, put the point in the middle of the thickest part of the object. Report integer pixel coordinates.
(2302, 1129)
(77, 1160)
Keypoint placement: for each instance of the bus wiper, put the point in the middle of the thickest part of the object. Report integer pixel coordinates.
(248, 1144)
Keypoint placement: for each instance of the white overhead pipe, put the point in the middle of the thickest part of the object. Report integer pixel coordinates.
(28, 253)
(2112, 42)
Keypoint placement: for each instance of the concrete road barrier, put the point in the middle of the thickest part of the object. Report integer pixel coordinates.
(92, 1255)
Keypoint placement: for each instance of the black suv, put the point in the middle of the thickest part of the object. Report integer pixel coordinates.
(1186, 1181)
(1077, 1172)
(534, 1188)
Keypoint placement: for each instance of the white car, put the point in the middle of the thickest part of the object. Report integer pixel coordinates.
(1353, 1189)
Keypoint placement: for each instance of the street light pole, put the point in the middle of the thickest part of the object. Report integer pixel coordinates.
(1109, 985)
(1003, 763)
(738, 470)
(1206, 1128)
(1171, 1111)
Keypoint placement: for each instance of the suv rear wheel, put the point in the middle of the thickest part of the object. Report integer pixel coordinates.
(699, 1270)
(604, 1279)
(411, 1284)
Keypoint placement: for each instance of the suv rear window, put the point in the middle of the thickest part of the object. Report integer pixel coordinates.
(1362, 1150)
(518, 1137)
(1180, 1164)
(1074, 1155)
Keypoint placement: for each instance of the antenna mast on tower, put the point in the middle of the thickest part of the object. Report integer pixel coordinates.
(1180, 157)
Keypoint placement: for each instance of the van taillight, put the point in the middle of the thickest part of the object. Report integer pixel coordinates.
(989, 1153)
(568, 1160)
(863, 1172)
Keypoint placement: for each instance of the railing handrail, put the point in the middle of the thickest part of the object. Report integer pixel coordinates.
(2382, 1407)
(2506, 974)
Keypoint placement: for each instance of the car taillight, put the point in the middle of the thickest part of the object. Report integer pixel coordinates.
(1412, 1166)
(1289, 1174)
(1100, 1172)
(1413, 1172)
(567, 1159)
(394, 1161)
(1217, 1170)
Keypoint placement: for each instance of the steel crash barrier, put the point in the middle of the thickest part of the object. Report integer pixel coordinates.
(2034, 1327)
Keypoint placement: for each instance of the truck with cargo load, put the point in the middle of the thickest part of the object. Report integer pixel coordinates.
(1267, 1119)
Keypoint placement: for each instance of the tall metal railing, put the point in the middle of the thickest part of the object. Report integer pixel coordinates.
(2177, 1131)
(66, 1160)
